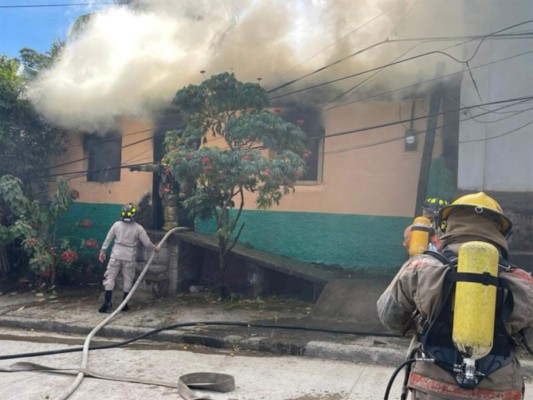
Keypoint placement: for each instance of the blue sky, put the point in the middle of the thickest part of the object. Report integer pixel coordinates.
(38, 27)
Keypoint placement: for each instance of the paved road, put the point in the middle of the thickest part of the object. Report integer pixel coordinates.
(257, 377)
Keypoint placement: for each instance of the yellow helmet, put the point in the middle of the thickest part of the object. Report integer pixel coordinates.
(480, 203)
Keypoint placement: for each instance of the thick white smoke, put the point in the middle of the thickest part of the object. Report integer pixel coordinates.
(129, 61)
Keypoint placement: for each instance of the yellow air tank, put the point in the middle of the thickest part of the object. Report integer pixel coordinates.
(475, 303)
(420, 231)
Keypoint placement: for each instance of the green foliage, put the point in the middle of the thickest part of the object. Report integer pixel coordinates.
(27, 141)
(36, 225)
(264, 153)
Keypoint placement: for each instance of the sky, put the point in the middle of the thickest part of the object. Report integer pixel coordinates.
(37, 27)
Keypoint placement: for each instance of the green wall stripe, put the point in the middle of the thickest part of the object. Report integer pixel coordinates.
(370, 243)
(358, 242)
(101, 215)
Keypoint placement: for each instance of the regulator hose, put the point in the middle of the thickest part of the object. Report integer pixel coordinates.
(85, 354)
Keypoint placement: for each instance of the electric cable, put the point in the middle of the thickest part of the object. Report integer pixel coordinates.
(92, 3)
(426, 81)
(336, 41)
(386, 65)
(516, 101)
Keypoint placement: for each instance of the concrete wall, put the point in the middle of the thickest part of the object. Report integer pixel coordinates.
(495, 149)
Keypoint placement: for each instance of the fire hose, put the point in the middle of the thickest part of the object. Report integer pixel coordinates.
(214, 381)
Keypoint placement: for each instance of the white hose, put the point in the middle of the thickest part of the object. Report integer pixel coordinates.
(85, 354)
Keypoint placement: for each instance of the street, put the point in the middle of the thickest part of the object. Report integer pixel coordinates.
(256, 377)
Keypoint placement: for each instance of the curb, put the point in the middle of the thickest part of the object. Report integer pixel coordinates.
(220, 340)
(371, 354)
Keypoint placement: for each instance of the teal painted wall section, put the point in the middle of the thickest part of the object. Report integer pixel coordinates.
(441, 180)
(102, 217)
(358, 242)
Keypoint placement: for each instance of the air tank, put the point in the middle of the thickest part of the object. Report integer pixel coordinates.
(420, 234)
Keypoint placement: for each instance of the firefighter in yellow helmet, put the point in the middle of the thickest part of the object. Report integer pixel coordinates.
(420, 301)
(127, 234)
(430, 210)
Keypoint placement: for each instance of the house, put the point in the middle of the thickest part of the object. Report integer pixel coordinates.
(374, 159)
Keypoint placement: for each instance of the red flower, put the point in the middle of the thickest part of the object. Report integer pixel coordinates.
(307, 154)
(188, 156)
(278, 110)
(91, 243)
(246, 157)
(300, 122)
(208, 168)
(86, 223)
(69, 256)
(204, 160)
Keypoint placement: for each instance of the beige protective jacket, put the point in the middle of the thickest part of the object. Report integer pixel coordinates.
(127, 236)
(414, 295)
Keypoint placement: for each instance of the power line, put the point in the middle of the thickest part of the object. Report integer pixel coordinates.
(55, 5)
(497, 136)
(358, 147)
(514, 101)
(483, 38)
(343, 37)
(426, 81)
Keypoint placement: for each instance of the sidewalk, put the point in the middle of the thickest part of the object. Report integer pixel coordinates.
(74, 311)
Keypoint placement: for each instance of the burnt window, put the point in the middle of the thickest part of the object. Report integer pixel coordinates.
(308, 119)
(104, 156)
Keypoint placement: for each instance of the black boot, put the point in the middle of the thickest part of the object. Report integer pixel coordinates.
(125, 308)
(107, 306)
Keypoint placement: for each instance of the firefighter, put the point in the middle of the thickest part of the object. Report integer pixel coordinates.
(430, 210)
(418, 300)
(127, 234)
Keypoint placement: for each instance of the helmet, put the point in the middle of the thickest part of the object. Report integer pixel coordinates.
(434, 204)
(129, 212)
(479, 203)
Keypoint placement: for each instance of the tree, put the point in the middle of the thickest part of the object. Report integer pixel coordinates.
(263, 154)
(27, 141)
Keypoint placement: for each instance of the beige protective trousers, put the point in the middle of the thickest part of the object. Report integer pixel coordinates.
(113, 268)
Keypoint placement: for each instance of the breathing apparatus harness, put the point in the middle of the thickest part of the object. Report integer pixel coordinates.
(436, 332)
(436, 337)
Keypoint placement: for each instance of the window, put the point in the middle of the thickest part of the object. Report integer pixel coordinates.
(308, 119)
(104, 156)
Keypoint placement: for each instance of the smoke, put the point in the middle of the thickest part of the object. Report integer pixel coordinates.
(130, 61)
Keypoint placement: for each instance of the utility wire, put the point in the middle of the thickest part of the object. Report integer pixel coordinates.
(388, 92)
(483, 38)
(363, 146)
(55, 5)
(514, 101)
(341, 38)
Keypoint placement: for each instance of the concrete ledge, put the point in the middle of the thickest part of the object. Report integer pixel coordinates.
(310, 272)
